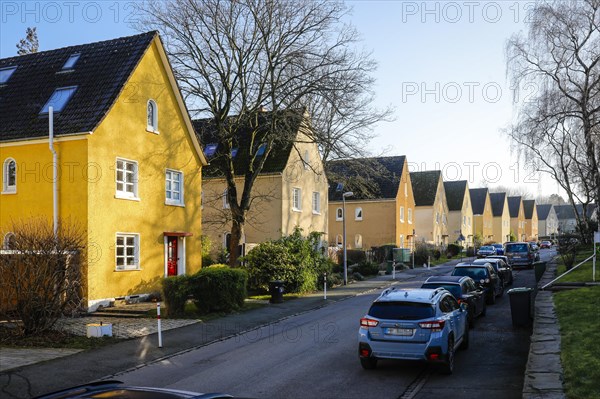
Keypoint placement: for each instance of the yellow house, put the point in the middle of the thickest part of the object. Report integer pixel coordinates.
(517, 217)
(431, 215)
(501, 215)
(482, 214)
(381, 208)
(290, 191)
(460, 213)
(531, 220)
(128, 162)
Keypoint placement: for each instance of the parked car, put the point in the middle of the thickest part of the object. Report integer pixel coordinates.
(499, 248)
(464, 290)
(502, 268)
(116, 390)
(545, 244)
(520, 254)
(486, 250)
(413, 324)
(534, 245)
(485, 276)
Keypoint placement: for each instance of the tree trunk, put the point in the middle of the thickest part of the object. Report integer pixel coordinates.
(237, 231)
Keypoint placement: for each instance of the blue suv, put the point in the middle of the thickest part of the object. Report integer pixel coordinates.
(413, 324)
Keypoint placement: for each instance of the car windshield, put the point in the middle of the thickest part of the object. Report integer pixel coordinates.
(453, 288)
(486, 248)
(401, 310)
(476, 273)
(516, 248)
(497, 245)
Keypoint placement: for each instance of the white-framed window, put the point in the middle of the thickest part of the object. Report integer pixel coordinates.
(358, 214)
(316, 202)
(225, 200)
(402, 214)
(406, 189)
(437, 218)
(152, 116)
(126, 177)
(464, 220)
(469, 219)
(9, 241)
(296, 199)
(339, 241)
(306, 160)
(358, 241)
(127, 251)
(174, 187)
(444, 220)
(401, 240)
(9, 176)
(409, 215)
(339, 214)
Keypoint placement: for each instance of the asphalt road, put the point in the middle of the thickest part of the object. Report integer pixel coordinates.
(314, 355)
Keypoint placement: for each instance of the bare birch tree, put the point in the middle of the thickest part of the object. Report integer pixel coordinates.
(558, 125)
(233, 59)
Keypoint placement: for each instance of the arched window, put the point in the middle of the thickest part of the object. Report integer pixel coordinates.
(306, 160)
(225, 200)
(339, 214)
(152, 117)
(358, 241)
(339, 241)
(10, 241)
(9, 176)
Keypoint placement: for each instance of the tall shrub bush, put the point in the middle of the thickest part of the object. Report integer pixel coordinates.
(175, 292)
(218, 288)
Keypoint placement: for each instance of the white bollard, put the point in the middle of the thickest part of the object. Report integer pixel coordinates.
(393, 271)
(158, 321)
(325, 286)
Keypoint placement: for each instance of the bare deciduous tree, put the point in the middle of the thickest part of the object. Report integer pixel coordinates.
(41, 274)
(234, 59)
(558, 127)
(30, 43)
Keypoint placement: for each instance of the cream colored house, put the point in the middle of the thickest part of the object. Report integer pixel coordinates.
(547, 220)
(501, 214)
(290, 192)
(531, 220)
(460, 213)
(381, 208)
(517, 217)
(482, 214)
(431, 215)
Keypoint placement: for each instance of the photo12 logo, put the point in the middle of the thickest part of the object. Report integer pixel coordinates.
(453, 12)
(35, 12)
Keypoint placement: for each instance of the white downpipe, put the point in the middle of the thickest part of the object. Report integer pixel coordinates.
(54, 170)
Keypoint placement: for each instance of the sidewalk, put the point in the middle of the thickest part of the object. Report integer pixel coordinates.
(48, 373)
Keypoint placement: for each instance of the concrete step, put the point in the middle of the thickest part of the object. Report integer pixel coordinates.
(115, 314)
(123, 310)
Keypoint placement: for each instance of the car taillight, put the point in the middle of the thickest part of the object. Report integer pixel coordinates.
(436, 325)
(367, 323)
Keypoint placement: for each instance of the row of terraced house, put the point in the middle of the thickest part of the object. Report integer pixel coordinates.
(134, 172)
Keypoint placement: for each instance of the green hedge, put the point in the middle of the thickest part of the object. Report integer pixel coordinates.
(218, 288)
(175, 292)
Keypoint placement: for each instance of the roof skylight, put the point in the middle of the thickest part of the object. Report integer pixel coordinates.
(5, 74)
(210, 149)
(59, 99)
(71, 61)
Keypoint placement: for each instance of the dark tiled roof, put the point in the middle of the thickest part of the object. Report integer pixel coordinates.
(543, 211)
(478, 197)
(514, 204)
(99, 74)
(424, 185)
(528, 207)
(367, 178)
(455, 194)
(290, 123)
(567, 212)
(497, 200)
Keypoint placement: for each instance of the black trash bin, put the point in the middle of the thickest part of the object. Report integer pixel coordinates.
(540, 268)
(276, 291)
(520, 306)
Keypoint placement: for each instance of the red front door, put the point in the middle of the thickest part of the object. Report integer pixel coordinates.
(172, 256)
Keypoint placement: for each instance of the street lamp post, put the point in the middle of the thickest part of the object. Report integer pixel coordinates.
(346, 194)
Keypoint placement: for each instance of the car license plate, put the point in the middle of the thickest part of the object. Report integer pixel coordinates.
(399, 331)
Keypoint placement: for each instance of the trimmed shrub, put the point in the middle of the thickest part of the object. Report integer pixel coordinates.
(354, 256)
(421, 254)
(175, 291)
(454, 249)
(218, 288)
(437, 254)
(266, 262)
(367, 268)
(470, 251)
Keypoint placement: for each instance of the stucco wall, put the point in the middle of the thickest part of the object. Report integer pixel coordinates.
(376, 227)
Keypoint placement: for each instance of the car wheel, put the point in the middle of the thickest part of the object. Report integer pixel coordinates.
(464, 345)
(491, 299)
(368, 363)
(448, 365)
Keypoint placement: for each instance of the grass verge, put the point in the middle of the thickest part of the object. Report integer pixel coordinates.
(583, 273)
(579, 318)
(52, 339)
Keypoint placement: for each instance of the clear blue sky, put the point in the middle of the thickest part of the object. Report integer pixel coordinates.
(441, 65)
